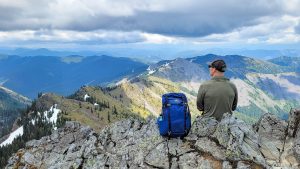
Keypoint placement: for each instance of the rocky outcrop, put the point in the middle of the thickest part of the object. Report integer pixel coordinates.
(131, 143)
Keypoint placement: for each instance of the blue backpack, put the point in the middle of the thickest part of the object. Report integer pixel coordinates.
(175, 119)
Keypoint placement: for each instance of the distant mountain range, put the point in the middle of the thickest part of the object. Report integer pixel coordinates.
(63, 75)
(43, 52)
(263, 86)
(154, 53)
(293, 63)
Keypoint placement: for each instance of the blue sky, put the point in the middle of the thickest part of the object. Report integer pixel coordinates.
(190, 24)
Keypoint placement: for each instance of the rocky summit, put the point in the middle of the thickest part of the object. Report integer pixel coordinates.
(131, 143)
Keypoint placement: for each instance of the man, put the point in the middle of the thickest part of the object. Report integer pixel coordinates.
(218, 95)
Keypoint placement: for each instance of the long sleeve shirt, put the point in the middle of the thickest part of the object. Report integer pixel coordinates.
(216, 97)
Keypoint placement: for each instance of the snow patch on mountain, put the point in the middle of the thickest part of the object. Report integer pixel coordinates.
(167, 64)
(151, 72)
(32, 121)
(12, 136)
(53, 119)
(86, 96)
(54, 116)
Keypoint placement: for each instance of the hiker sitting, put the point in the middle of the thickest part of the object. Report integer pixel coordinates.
(218, 95)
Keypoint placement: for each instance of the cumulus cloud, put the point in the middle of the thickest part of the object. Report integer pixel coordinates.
(154, 21)
(270, 30)
(178, 18)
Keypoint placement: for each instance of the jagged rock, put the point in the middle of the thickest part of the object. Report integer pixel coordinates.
(206, 145)
(226, 165)
(188, 160)
(294, 132)
(294, 119)
(62, 149)
(271, 126)
(243, 165)
(135, 144)
(272, 136)
(240, 141)
(158, 157)
(291, 154)
(203, 127)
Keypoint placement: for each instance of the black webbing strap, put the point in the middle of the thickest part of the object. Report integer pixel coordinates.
(169, 117)
(185, 117)
(187, 113)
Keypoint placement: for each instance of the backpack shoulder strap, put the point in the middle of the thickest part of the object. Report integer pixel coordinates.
(169, 116)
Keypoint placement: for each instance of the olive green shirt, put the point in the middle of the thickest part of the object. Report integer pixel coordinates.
(216, 97)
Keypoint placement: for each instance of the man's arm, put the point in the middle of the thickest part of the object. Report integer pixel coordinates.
(200, 98)
(235, 101)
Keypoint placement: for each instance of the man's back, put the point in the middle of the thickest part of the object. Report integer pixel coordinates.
(216, 97)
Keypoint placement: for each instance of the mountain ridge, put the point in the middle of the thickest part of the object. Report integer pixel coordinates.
(31, 75)
(11, 105)
(253, 82)
(142, 94)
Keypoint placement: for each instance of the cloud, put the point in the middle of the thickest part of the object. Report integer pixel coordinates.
(158, 39)
(297, 28)
(64, 36)
(269, 30)
(94, 22)
(190, 18)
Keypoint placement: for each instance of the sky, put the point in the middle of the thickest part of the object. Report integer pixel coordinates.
(190, 24)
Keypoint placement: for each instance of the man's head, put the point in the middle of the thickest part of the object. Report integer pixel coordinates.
(217, 68)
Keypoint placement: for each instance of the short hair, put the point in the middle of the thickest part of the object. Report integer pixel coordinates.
(219, 64)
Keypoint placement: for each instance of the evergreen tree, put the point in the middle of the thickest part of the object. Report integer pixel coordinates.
(40, 94)
(42, 127)
(108, 116)
(115, 110)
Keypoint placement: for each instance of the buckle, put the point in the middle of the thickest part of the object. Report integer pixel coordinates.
(167, 105)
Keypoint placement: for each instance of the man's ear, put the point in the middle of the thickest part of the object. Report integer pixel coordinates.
(214, 70)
